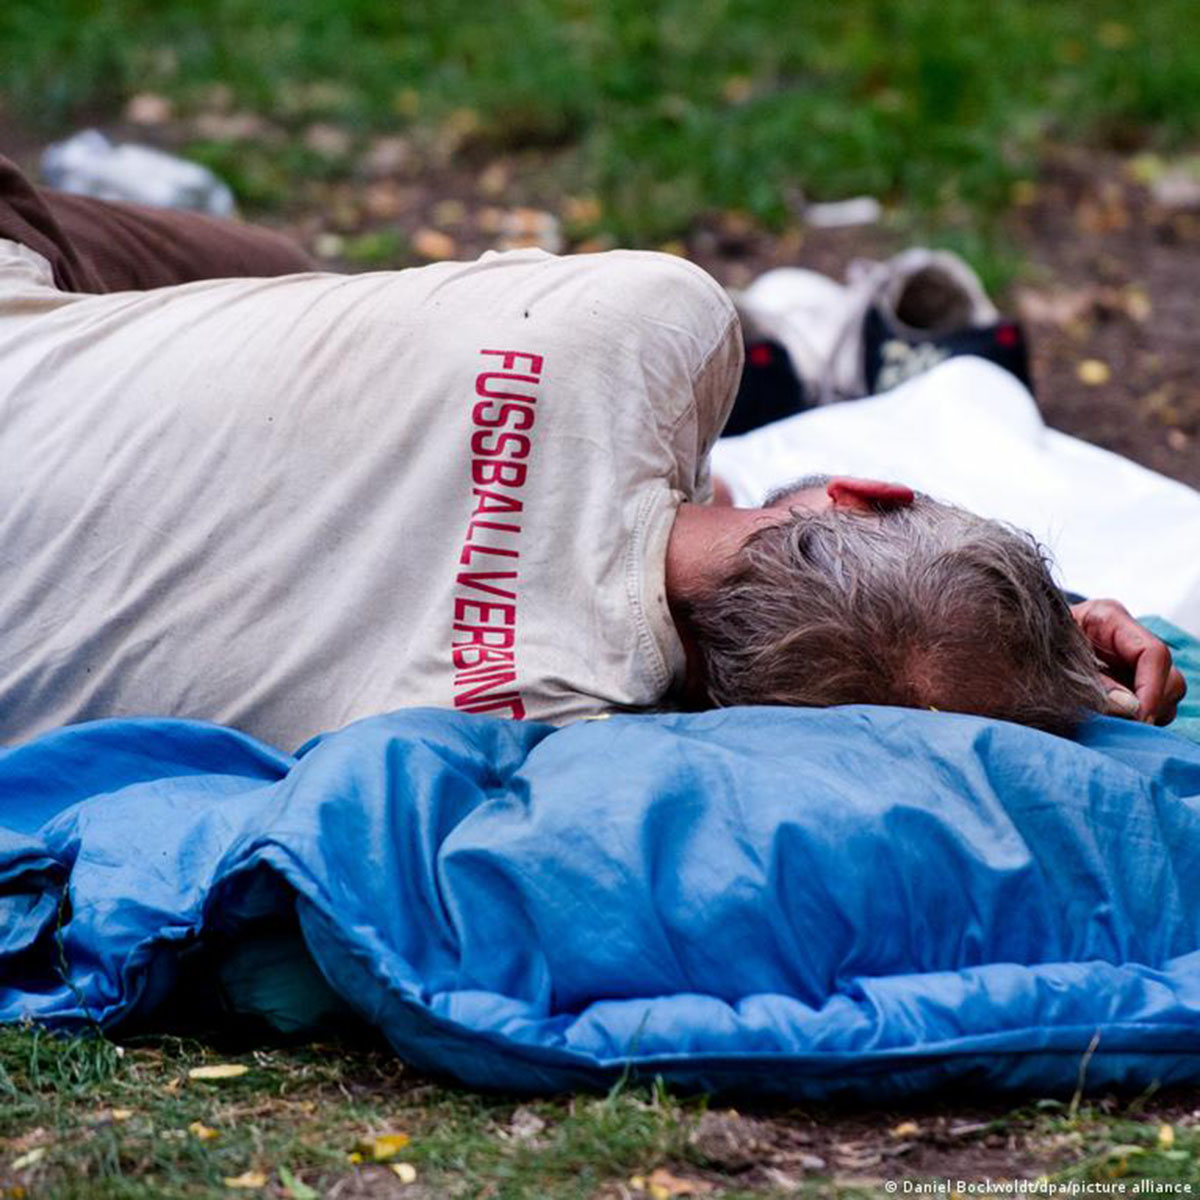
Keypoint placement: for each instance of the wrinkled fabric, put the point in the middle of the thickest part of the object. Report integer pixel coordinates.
(860, 901)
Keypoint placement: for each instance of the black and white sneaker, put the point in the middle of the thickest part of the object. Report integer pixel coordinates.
(889, 322)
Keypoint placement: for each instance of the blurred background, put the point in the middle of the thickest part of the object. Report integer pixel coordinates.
(1055, 145)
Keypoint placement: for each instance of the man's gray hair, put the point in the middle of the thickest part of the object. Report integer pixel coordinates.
(927, 606)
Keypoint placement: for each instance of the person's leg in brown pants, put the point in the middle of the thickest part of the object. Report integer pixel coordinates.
(96, 246)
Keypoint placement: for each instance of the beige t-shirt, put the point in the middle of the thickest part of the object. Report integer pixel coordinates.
(283, 504)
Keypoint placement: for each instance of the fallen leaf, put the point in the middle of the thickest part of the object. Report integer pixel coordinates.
(120, 1114)
(219, 1071)
(906, 1129)
(405, 1172)
(433, 244)
(328, 245)
(148, 108)
(1093, 372)
(29, 1159)
(1145, 168)
(1166, 1136)
(383, 1146)
(673, 1185)
(354, 1157)
(247, 1179)
(495, 178)
(662, 1185)
(204, 1132)
(1137, 304)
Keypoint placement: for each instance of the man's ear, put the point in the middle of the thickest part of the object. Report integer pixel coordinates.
(867, 494)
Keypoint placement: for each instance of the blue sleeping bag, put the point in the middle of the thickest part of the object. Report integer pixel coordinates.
(799, 903)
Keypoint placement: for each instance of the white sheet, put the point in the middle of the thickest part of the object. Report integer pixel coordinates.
(969, 433)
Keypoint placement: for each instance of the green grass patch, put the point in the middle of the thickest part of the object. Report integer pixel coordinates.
(84, 1118)
(662, 110)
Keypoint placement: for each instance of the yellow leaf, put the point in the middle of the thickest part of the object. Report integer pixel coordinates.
(219, 1071)
(1166, 1136)
(29, 1159)
(906, 1129)
(1138, 304)
(247, 1179)
(203, 1132)
(120, 1114)
(354, 1157)
(433, 244)
(405, 1172)
(662, 1185)
(1093, 372)
(1146, 169)
(386, 1145)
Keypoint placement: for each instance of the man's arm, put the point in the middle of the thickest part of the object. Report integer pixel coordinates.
(1143, 683)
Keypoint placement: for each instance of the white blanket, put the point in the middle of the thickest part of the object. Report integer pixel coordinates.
(969, 433)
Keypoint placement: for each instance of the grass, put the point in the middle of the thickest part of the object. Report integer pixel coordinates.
(129, 1122)
(89, 1119)
(661, 110)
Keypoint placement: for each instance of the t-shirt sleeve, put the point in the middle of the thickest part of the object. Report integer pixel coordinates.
(680, 332)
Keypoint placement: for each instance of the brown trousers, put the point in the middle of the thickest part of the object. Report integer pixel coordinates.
(95, 246)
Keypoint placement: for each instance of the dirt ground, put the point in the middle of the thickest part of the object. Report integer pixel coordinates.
(1112, 278)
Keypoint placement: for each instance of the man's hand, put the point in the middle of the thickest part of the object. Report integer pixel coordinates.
(1141, 680)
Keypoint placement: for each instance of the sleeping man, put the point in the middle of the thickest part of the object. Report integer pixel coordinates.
(286, 500)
